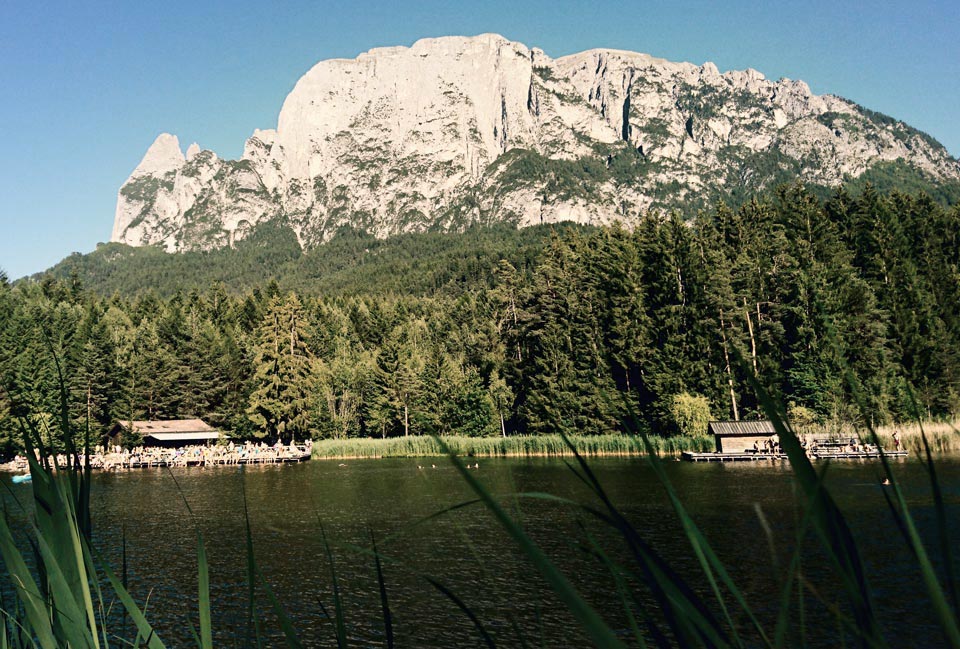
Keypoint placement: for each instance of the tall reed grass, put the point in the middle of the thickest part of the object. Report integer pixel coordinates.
(942, 436)
(513, 446)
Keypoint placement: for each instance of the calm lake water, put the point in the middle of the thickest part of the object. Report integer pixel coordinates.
(468, 552)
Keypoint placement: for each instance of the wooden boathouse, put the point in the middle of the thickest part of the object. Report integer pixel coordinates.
(172, 433)
(740, 436)
(748, 441)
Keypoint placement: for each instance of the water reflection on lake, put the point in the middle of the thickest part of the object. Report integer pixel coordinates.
(466, 549)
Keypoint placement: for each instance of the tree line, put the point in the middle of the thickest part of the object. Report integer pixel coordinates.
(846, 308)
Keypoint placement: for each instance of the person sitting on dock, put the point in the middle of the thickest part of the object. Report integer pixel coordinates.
(756, 446)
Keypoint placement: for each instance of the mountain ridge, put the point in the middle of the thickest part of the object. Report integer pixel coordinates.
(456, 131)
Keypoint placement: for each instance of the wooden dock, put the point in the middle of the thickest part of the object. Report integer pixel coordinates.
(823, 454)
(145, 464)
(690, 456)
(856, 455)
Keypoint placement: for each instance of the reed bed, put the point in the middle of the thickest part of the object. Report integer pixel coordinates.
(943, 437)
(513, 446)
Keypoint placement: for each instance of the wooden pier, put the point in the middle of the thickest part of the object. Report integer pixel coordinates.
(689, 456)
(822, 454)
(145, 464)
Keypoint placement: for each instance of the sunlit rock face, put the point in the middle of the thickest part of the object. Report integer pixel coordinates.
(455, 131)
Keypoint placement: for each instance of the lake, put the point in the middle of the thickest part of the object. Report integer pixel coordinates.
(469, 553)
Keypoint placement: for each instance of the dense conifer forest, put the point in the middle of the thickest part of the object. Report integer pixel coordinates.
(499, 331)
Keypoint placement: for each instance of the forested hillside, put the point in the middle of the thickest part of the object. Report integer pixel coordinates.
(510, 331)
(353, 262)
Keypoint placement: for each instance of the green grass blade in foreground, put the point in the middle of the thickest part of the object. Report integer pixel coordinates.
(791, 579)
(687, 615)
(144, 630)
(946, 546)
(19, 636)
(449, 594)
(341, 627)
(286, 625)
(95, 585)
(827, 519)
(203, 594)
(710, 564)
(37, 618)
(61, 559)
(251, 570)
(205, 641)
(596, 628)
(254, 576)
(620, 583)
(945, 614)
(69, 623)
(384, 604)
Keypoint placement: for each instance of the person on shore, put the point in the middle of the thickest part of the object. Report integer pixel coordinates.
(897, 444)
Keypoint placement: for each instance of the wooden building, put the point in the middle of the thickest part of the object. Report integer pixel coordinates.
(170, 434)
(739, 436)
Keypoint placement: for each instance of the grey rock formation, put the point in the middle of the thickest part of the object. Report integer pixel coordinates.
(455, 131)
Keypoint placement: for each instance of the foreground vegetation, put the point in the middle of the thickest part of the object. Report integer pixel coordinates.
(72, 597)
(568, 333)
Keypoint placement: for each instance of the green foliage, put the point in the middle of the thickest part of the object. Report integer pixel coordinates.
(351, 263)
(899, 175)
(901, 130)
(544, 73)
(279, 402)
(499, 332)
(690, 414)
(560, 179)
(801, 417)
(144, 188)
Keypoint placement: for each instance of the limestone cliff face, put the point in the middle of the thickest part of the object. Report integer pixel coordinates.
(454, 131)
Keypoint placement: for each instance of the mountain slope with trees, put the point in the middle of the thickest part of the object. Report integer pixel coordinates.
(594, 324)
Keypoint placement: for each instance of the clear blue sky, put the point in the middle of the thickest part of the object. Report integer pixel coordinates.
(85, 87)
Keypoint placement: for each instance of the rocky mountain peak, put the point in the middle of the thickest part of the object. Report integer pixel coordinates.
(459, 130)
(163, 155)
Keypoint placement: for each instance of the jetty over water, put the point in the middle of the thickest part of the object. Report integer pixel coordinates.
(214, 455)
(203, 456)
(872, 454)
(758, 441)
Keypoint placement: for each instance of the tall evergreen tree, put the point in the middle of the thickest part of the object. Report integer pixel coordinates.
(280, 403)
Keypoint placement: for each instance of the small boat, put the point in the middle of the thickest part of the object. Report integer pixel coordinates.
(26, 477)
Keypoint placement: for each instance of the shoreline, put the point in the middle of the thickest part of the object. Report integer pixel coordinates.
(495, 455)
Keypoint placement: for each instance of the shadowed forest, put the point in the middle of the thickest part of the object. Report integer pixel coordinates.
(501, 332)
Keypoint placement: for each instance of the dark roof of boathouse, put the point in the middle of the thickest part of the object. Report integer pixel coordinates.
(742, 428)
(170, 430)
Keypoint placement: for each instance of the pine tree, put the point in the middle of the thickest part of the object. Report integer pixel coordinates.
(280, 403)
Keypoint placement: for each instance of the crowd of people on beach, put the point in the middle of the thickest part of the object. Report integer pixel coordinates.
(248, 452)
